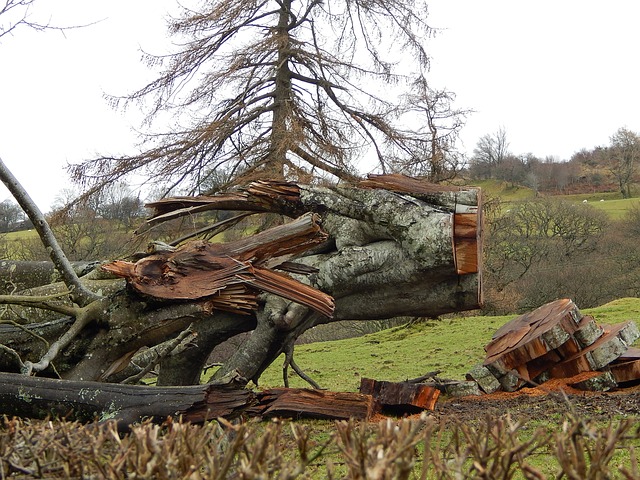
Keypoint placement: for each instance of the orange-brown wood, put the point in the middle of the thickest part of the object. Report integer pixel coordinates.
(628, 371)
(465, 225)
(299, 402)
(403, 396)
(594, 357)
(229, 275)
(466, 256)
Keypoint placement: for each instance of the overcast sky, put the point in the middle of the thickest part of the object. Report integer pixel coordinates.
(558, 76)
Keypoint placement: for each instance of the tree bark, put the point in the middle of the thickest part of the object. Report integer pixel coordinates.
(554, 341)
(87, 401)
(17, 276)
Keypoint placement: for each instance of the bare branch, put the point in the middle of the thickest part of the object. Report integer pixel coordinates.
(85, 315)
(161, 352)
(79, 292)
(41, 302)
(276, 89)
(17, 13)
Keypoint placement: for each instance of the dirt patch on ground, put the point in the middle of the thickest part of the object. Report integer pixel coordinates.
(550, 401)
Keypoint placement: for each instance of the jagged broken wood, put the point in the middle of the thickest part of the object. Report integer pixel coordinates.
(306, 403)
(229, 275)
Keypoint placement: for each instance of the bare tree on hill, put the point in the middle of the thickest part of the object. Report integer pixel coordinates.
(624, 158)
(491, 150)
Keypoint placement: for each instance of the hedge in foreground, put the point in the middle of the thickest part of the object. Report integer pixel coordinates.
(406, 449)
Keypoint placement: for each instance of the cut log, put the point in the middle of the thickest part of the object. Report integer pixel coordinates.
(626, 368)
(483, 377)
(532, 335)
(632, 353)
(464, 203)
(599, 354)
(402, 397)
(556, 341)
(588, 331)
(305, 403)
(600, 382)
(463, 389)
(626, 372)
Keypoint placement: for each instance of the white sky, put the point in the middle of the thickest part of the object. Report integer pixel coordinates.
(558, 75)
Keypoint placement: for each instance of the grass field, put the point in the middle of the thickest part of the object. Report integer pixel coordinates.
(452, 345)
(616, 209)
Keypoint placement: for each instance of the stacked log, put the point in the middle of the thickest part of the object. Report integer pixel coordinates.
(556, 341)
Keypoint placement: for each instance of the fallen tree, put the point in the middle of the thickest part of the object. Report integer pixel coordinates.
(389, 246)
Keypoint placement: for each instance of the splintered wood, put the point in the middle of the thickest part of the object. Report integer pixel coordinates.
(228, 276)
(556, 341)
(301, 402)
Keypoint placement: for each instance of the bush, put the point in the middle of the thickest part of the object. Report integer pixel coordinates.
(541, 250)
(418, 448)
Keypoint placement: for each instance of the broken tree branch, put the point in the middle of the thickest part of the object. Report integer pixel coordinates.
(88, 401)
(167, 348)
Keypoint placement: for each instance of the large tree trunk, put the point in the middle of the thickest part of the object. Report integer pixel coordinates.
(389, 247)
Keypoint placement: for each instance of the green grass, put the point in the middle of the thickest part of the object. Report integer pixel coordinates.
(452, 345)
(20, 235)
(617, 209)
(617, 311)
(592, 197)
(504, 190)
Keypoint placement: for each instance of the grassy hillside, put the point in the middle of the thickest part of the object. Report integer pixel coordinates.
(451, 345)
(611, 203)
(503, 190)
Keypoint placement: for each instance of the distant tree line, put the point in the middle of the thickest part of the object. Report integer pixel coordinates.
(605, 168)
(99, 228)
